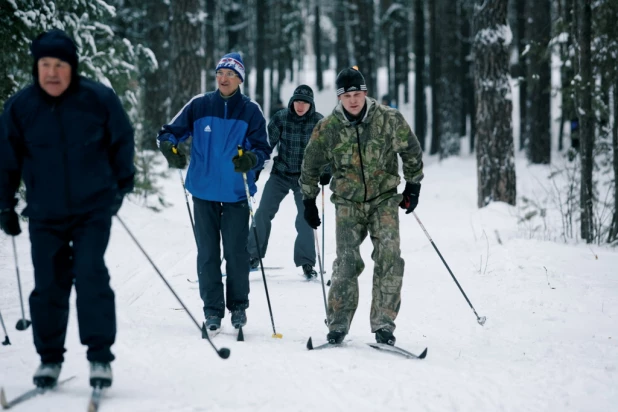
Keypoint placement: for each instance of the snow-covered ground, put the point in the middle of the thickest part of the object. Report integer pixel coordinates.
(549, 344)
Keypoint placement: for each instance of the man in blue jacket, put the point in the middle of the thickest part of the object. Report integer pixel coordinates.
(70, 141)
(219, 122)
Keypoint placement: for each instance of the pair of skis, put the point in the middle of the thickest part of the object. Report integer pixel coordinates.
(93, 404)
(379, 346)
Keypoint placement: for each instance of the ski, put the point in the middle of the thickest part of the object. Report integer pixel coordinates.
(257, 269)
(380, 346)
(397, 350)
(326, 345)
(95, 399)
(28, 394)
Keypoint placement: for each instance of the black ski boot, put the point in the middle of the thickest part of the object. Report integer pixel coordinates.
(385, 336)
(212, 323)
(46, 375)
(335, 336)
(239, 318)
(309, 272)
(100, 374)
(254, 263)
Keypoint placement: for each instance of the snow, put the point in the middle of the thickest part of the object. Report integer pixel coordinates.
(549, 343)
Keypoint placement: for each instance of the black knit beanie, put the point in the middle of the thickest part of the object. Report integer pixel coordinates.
(304, 93)
(350, 80)
(55, 43)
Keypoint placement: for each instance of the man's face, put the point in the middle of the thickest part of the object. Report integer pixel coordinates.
(54, 75)
(227, 81)
(301, 107)
(353, 102)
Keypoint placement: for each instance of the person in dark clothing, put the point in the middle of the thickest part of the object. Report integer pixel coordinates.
(219, 122)
(289, 130)
(71, 142)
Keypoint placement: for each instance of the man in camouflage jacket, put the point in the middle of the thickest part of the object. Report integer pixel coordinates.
(360, 141)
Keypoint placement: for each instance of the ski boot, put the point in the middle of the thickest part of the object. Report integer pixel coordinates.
(385, 336)
(100, 374)
(309, 272)
(46, 375)
(335, 337)
(239, 318)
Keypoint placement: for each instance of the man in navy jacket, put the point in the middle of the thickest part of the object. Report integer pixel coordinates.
(219, 122)
(70, 141)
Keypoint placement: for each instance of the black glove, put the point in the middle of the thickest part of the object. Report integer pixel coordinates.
(410, 197)
(244, 163)
(311, 214)
(257, 174)
(9, 222)
(176, 160)
(325, 179)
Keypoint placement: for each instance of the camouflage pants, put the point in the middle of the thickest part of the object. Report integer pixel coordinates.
(354, 221)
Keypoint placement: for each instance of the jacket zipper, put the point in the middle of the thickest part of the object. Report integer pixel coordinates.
(65, 156)
(360, 156)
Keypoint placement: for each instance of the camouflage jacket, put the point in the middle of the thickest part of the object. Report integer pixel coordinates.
(363, 157)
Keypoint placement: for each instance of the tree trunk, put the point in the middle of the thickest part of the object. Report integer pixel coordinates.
(420, 108)
(538, 82)
(613, 230)
(586, 120)
(494, 150)
(521, 70)
(364, 43)
(341, 43)
(156, 84)
(448, 94)
(317, 31)
(434, 75)
(210, 61)
(260, 65)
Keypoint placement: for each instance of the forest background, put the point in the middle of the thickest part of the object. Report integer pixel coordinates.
(453, 67)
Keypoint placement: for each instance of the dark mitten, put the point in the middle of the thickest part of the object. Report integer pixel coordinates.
(325, 179)
(312, 216)
(257, 174)
(410, 197)
(9, 222)
(244, 163)
(174, 156)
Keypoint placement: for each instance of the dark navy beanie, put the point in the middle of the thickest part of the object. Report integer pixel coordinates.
(55, 43)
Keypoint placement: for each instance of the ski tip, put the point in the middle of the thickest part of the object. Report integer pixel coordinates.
(3, 401)
(422, 355)
(309, 344)
(241, 336)
(277, 336)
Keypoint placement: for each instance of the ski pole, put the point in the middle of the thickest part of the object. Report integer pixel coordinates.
(223, 353)
(23, 323)
(317, 245)
(481, 320)
(184, 190)
(323, 252)
(257, 242)
(6, 335)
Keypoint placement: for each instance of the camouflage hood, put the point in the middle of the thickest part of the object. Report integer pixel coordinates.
(362, 156)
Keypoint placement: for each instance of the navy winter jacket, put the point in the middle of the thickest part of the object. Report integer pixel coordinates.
(74, 152)
(218, 126)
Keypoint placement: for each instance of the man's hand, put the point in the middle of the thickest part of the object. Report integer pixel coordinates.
(9, 222)
(325, 179)
(410, 197)
(244, 163)
(174, 156)
(311, 214)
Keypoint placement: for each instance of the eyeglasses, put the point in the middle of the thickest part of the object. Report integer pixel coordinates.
(229, 75)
